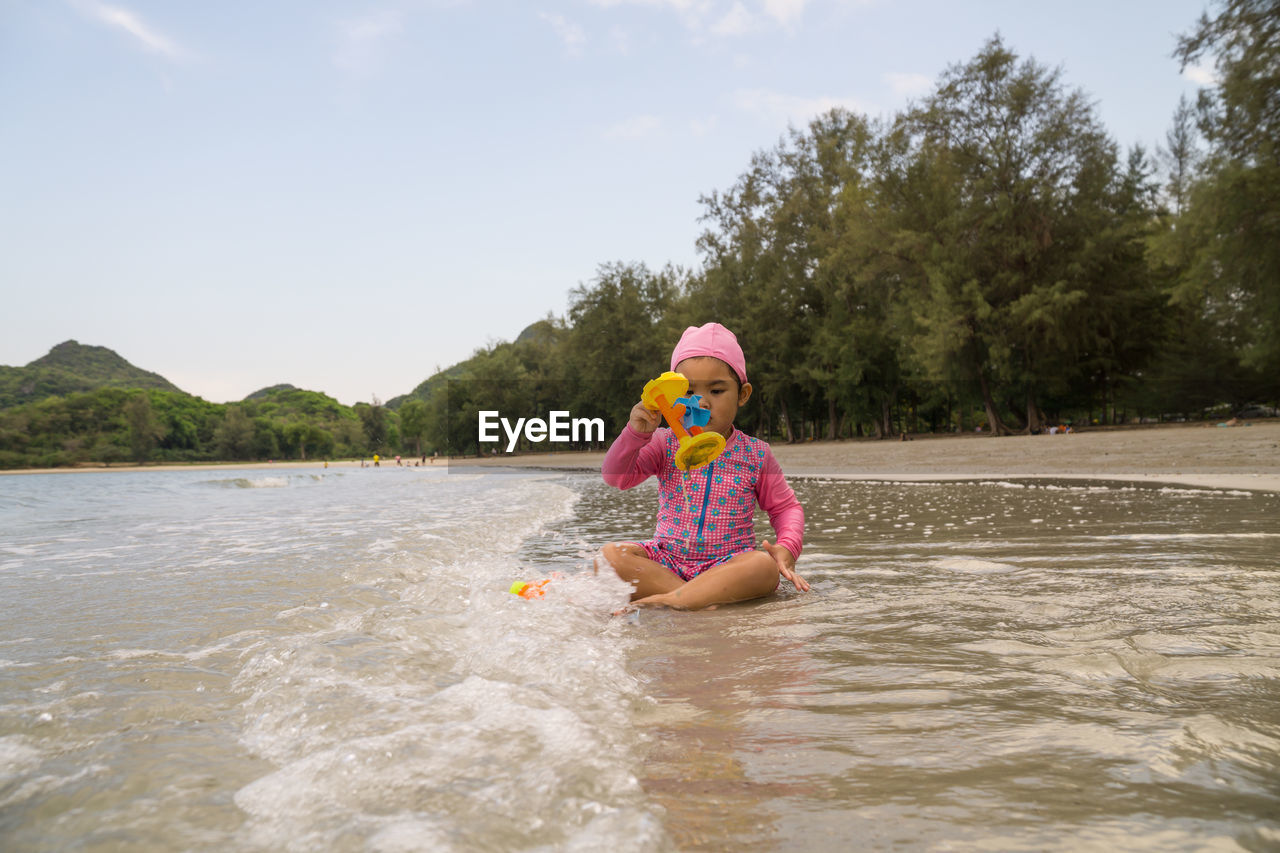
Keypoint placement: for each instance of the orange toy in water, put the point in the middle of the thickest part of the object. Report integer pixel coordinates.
(531, 590)
(697, 446)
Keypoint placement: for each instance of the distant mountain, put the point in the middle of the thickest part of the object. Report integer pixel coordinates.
(72, 367)
(539, 332)
(268, 392)
(285, 402)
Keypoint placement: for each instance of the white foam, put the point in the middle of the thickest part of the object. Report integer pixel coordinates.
(252, 483)
(17, 757)
(432, 690)
(971, 566)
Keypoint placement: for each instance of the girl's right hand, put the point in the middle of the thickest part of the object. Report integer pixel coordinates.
(644, 420)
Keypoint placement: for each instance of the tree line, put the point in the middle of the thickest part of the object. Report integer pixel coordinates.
(110, 425)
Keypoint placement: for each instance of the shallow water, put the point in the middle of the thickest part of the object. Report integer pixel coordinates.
(985, 666)
(329, 660)
(303, 661)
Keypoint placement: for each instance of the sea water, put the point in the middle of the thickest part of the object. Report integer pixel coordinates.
(330, 660)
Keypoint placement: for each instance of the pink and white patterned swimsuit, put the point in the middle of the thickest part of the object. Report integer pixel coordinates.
(706, 516)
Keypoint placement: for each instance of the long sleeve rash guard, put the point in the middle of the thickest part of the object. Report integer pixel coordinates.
(708, 513)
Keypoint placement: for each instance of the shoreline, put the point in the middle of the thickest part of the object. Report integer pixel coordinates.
(190, 466)
(1201, 455)
(1198, 455)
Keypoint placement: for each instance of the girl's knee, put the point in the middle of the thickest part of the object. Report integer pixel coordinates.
(756, 561)
(627, 559)
(757, 571)
(615, 551)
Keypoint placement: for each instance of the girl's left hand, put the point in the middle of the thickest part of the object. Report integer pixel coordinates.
(786, 565)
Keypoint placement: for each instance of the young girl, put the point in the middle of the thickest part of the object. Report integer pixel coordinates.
(704, 550)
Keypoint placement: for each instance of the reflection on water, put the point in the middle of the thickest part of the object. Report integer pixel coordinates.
(1002, 665)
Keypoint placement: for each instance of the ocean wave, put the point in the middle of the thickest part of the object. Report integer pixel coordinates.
(972, 566)
(421, 694)
(251, 483)
(269, 481)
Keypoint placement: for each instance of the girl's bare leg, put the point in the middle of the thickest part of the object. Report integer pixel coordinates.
(633, 565)
(746, 576)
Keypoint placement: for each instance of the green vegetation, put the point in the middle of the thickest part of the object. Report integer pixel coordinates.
(108, 425)
(987, 258)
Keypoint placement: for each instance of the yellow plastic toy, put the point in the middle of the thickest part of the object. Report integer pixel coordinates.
(697, 446)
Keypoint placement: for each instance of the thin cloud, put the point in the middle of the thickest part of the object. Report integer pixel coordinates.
(363, 42)
(780, 108)
(129, 22)
(678, 5)
(360, 40)
(906, 85)
(785, 12)
(691, 12)
(635, 127)
(737, 21)
(723, 18)
(701, 127)
(621, 40)
(571, 35)
(1201, 75)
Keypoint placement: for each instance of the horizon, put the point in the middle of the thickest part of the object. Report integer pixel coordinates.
(348, 202)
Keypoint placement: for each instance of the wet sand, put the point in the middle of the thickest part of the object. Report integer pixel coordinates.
(1240, 457)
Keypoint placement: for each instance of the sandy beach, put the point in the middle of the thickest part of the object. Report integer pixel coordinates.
(1200, 454)
(1239, 457)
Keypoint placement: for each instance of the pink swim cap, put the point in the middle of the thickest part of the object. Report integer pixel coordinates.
(713, 340)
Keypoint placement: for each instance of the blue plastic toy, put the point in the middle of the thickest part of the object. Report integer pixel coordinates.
(694, 414)
(697, 446)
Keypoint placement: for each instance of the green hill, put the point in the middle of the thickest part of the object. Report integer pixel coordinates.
(287, 402)
(269, 392)
(70, 368)
(542, 331)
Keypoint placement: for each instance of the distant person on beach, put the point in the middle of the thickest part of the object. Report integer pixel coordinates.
(704, 551)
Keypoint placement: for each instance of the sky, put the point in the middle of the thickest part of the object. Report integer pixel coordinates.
(349, 196)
